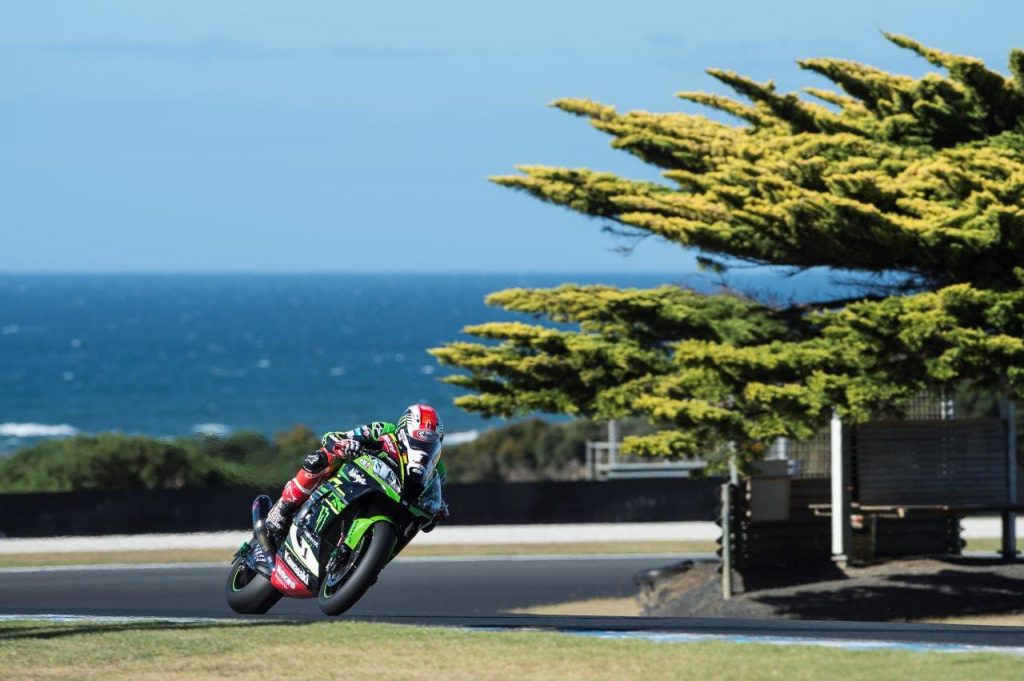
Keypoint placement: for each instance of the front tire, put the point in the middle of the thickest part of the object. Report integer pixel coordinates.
(368, 559)
(248, 592)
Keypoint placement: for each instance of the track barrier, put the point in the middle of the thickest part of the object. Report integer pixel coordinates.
(97, 512)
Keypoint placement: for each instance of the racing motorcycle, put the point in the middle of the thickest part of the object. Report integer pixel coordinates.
(340, 539)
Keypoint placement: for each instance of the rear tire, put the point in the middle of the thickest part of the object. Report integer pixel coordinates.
(249, 592)
(373, 554)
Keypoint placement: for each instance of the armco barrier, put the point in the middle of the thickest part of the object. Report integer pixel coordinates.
(207, 510)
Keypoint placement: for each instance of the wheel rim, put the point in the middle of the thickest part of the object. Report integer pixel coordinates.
(242, 576)
(337, 577)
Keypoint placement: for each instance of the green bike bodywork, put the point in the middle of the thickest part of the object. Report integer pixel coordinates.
(364, 492)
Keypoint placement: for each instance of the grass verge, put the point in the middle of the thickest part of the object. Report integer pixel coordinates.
(224, 555)
(993, 545)
(145, 651)
(1007, 620)
(605, 607)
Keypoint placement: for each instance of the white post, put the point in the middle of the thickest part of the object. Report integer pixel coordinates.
(613, 441)
(841, 529)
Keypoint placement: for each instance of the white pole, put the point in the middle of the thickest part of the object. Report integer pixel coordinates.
(613, 441)
(840, 493)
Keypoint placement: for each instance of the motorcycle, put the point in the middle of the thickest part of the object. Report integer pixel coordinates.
(340, 539)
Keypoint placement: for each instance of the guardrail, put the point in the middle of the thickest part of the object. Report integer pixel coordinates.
(603, 462)
(486, 503)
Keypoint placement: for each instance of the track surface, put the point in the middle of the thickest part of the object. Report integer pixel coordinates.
(472, 592)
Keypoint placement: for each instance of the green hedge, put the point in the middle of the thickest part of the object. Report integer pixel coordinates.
(529, 450)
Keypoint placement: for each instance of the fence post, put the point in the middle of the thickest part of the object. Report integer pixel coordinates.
(613, 441)
(1009, 412)
(727, 540)
(842, 532)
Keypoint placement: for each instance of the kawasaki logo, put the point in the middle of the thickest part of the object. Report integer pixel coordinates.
(356, 476)
(299, 571)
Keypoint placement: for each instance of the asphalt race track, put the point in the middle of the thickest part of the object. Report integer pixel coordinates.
(406, 587)
(456, 592)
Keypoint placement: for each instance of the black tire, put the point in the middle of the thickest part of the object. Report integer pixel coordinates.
(370, 557)
(249, 592)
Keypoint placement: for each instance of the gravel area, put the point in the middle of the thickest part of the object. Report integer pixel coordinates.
(901, 590)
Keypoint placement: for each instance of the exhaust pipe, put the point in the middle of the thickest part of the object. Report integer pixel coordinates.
(260, 510)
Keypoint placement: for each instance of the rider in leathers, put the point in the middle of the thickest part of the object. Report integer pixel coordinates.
(415, 442)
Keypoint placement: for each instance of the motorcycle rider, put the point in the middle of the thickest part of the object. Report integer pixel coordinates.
(415, 439)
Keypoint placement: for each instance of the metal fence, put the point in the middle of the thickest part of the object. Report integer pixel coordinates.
(810, 458)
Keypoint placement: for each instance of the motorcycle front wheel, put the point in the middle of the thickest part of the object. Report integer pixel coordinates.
(341, 588)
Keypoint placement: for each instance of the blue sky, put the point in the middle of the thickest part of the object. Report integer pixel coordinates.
(336, 136)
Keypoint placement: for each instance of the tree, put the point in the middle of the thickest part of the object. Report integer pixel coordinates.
(914, 185)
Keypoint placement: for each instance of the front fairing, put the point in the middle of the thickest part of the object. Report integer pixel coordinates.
(367, 487)
(367, 475)
(392, 479)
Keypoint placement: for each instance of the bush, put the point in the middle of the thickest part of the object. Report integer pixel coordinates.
(529, 450)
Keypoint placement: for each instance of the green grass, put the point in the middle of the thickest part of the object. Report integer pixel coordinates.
(167, 652)
(224, 555)
(993, 545)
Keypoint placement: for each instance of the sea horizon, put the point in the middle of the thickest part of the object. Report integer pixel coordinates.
(170, 354)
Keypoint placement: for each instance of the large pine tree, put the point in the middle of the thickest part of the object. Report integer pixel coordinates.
(917, 180)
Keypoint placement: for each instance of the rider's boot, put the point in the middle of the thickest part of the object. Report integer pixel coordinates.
(298, 489)
(280, 517)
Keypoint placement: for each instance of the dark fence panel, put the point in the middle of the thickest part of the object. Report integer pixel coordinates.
(919, 534)
(619, 501)
(207, 510)
(949, 463)
(806, 538)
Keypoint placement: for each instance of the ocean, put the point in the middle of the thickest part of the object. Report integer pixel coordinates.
(174, 354)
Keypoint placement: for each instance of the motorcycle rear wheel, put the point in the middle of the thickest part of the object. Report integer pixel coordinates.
(363, 566)
(248, 592)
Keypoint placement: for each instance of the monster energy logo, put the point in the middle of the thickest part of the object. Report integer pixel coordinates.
(321, 519)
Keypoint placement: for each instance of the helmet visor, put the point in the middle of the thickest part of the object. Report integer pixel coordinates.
(424, 449)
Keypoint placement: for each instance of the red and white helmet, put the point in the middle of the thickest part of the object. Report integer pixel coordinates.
(421, 432)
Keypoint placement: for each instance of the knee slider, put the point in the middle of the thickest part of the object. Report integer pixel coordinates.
(315, 462)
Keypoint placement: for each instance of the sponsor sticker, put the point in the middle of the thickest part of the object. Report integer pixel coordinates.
(288, 581)
(299, 571)
(385, 473)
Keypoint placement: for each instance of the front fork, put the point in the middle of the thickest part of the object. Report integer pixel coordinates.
(339, 555)
(260, 509)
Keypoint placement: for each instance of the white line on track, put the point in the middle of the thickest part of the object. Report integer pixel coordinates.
(653, 636)
(974, 528)
(845, 644)
(116, 619)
